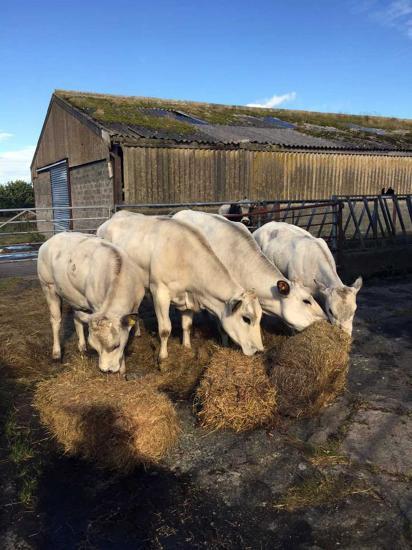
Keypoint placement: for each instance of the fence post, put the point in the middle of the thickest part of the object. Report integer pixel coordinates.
(338, 236)
(334, 236)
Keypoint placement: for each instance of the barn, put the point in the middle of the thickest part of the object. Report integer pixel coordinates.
(101, 150)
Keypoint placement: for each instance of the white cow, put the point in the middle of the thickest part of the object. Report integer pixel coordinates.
(101, 284)
(181, 268)
(238, 251)
(301, 256)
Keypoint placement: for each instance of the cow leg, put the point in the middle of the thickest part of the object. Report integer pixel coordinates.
(140, 296)
(122, 369)
(55, 307)
(223, 335)
(187, 321)
(161, 301)
(78, 325)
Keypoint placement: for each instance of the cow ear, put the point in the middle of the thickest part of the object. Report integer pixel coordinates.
(83, 316)
(283, 287)
(234, 305)
(323, 288)
(129, 320)
(357, 285)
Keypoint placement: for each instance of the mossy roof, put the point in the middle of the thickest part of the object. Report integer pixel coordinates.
(134, 117)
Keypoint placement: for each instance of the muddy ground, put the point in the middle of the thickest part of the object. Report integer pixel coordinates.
(342, 479)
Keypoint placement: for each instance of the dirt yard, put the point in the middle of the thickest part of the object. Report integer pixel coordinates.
(340, 480)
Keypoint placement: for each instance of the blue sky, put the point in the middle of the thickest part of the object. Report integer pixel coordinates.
(347, 56)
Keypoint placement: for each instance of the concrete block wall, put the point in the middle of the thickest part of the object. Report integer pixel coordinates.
(91, 185)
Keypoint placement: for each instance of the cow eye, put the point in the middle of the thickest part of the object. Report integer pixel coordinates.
(307, 302)
(246, 320)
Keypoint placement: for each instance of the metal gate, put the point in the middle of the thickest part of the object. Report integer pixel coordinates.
(60, 197)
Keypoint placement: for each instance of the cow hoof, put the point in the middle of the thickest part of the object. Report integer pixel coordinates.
(57, 358)
(82, 350)
(163, 364)
(131, 376)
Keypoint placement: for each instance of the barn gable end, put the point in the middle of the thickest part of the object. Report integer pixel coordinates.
(69, 136)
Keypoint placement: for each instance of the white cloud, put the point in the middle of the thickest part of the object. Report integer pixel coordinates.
(273, 101)
(15, 165)
(5, 135)
(396, 10)
(393, 13)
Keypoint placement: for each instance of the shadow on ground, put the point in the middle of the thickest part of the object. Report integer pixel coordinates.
(341, 479)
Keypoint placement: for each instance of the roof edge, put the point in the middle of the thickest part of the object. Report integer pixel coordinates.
(229, 106)
(82, 117)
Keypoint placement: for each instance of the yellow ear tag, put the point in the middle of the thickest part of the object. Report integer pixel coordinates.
(132, 322)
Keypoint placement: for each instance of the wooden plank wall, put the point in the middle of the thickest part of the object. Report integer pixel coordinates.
(167, 175)
(64, 136)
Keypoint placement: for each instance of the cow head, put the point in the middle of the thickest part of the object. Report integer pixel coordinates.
(245, 210)
(241, 320)
(239, 212)
(340, 303)
(297, 307)
(108, 336)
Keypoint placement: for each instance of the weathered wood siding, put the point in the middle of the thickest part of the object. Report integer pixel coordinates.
(64, 136)
(156, 174)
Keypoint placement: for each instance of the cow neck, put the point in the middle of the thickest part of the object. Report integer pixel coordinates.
(121, 296)
(215, 302)
(329, 277)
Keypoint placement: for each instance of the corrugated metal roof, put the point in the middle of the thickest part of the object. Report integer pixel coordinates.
(134, 118)
(277, 136)
(231, 135)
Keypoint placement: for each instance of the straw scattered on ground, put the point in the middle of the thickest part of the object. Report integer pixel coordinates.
(235, 392)
(116, 423)
(309, 369)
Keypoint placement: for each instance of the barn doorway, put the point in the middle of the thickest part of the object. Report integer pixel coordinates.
(59, 178)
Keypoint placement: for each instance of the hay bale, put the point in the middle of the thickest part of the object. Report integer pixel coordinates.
(235, 393)
(106, 419)
(309, 369)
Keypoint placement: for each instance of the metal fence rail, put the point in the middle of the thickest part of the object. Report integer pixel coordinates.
(347, 223)
(375, 221)
(318, 217)
(22, 230)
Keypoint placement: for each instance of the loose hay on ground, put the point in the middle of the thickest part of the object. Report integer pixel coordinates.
(309, 369)
(235, 393)
(116, 423)
(179, 374)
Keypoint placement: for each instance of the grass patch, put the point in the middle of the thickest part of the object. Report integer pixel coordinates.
(327, 455)
(123, 109)
(127, 112)
(9, 284)
(21, 239)
(321, 490)
(23, 455)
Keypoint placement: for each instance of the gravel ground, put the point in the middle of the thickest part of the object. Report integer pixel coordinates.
(340, 480)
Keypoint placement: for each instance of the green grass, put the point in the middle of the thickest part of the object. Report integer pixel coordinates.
(128, 112)
(328, 454)
(123, 109)
(9, 284)
(22, 232)
(23, 455)
(20, 239)
(320, 490)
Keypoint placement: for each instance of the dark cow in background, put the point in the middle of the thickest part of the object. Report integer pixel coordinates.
(247, 212)
(238, 211)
